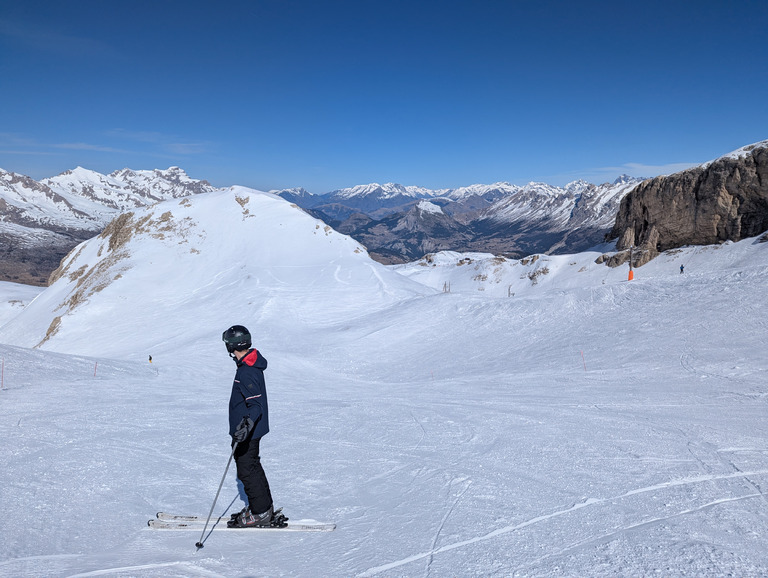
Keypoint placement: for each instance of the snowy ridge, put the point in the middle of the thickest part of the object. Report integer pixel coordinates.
(28, 202)
(261, 239)
(498, 190)
(578, 202)
(385, 191)
(123, 190)
(85, 199)
(738, 153)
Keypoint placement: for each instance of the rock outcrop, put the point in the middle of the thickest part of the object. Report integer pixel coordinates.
(723, 200)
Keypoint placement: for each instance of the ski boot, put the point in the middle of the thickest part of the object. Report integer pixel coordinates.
(268, 519)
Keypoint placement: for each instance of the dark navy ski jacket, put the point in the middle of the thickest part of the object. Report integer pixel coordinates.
(249, 394)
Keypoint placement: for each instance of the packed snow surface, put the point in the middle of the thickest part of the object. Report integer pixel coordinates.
(566, 422)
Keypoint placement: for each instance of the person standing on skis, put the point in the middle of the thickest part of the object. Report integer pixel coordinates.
(248, 423)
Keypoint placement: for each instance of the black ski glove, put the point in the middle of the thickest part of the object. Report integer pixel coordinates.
(243, 429)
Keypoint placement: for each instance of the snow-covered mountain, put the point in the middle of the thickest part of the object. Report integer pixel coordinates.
(540, 218)
(235, 245)
(423, 228)
(41, 221)
(381, 192)
(82, 199)
(501, 218)
(372, 199)
(378, 201)
(34, 204)
(125, 189)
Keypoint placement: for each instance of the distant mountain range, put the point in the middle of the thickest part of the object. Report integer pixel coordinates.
(399, 224)
(41, 221)
(724, 199)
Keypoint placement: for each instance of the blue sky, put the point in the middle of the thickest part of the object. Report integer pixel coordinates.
(329, 94)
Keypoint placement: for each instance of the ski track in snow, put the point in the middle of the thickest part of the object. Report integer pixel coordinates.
(127, 569)
(442, 522)
(586, 503)
(594, 540)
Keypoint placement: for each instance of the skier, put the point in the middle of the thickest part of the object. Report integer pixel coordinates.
(682, 267)
(248, 423)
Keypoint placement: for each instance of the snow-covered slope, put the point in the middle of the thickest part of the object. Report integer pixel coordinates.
(105, 196)
(84, 199)
(586, 426)
(498, 277)
(159, 266)
(29, 203)
(14, 297)
(578, 204)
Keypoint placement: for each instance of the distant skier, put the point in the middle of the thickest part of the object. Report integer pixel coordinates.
(682, 268)
(248, 423)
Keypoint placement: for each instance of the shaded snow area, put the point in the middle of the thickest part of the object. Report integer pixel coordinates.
(584, 426)
(14, 297)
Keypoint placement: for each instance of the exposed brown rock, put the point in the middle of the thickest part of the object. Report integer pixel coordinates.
(721, 201)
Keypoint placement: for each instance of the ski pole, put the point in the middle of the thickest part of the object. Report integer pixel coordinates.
(200, 543)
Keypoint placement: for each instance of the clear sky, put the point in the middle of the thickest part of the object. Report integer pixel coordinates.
(325, 94)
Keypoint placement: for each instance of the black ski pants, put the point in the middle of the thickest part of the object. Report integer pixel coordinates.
(250, 472)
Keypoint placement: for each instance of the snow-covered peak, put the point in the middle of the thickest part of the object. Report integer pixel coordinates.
(578, 203)
(429, 207)
(217, 249)
(384, 191)
(577, 187)
(295, 192)
(103, 196)
(739, 153)
(626, 179)
(495, 189)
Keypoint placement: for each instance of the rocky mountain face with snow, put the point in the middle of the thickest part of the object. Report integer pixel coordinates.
(405, 236)
(40, 222)
(186, 252)
(723, 200)
(504, 219)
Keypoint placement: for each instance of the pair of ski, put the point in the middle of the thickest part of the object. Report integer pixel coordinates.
(165, 521)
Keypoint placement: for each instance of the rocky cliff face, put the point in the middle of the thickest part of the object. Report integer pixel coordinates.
(726, 199)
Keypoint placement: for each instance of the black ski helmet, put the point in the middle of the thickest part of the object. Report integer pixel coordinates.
(236, 338)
